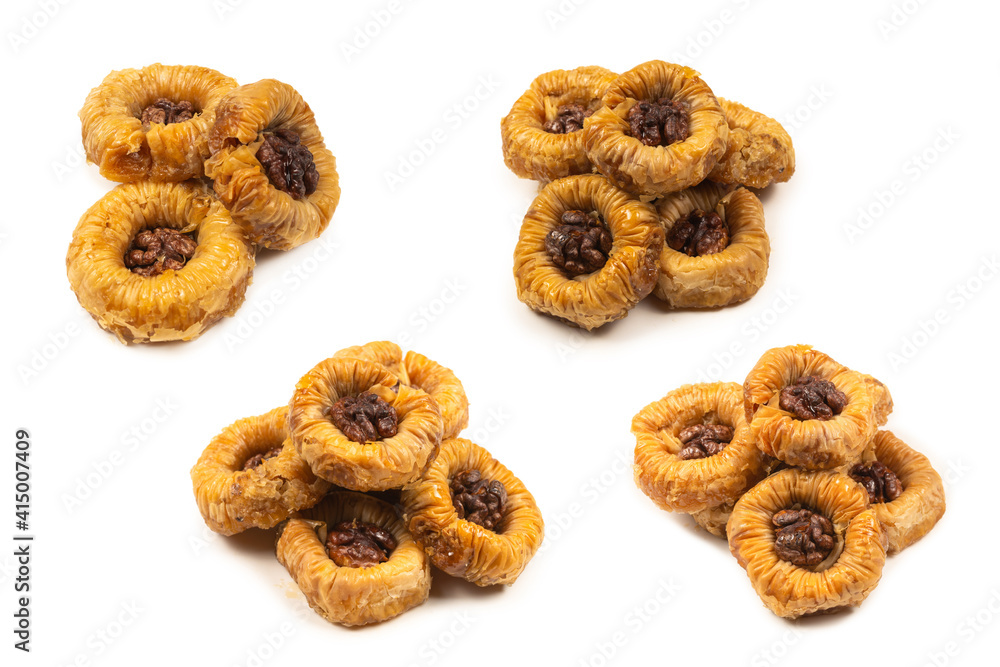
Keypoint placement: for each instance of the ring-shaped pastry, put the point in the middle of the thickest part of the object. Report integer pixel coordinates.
(593, 299)
(353, 595)
(463, 548)
(656, 170)
(232, 499)
(810, 443)
(532, 152)
(272, 218)
(126, 149)
(718, 279)
(387, 463)
(919, 507)
(176, 304)
(850, 573)
(692, 485)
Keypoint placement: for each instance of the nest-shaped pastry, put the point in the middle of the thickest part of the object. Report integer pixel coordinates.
(416, 370)
(692, 485)
(463, 548)
(607, 294)
(273, 218)
(353, 595)
(532, 152)
(656, 170)
(810, 443)
(126, 149)
(718, 279)
(176, 304)
(844, 579)
(232, 499)
(373, 466)
(916, 510)
(758, 151)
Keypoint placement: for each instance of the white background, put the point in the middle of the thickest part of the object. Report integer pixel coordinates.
(863, 99)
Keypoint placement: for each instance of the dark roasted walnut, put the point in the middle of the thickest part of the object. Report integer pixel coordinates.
(703, 440)
(811, 397)
(359, 544)
(364, 418)
(167, 111)
(802, 537)
(478, 500)
(699, 233)
(257, 459)
(659, 123)
(288, 164)
(153, 251)
(569, 118)
(879, 481)
(580, 245)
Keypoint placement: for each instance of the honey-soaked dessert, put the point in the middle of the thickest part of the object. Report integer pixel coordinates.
(475, 519)
(152, 123)
(270, 166)
(543, 133)
(354, 560)
(250, 476)
(660, 130)
(694, 450)
(357, 427)
(808, 541)
(587, 251)
(154, 262)
(716, 251)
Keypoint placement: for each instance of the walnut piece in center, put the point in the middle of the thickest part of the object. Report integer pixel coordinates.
(288, 164)
(156, 250)
(659, 123)
(166, 112)
(699, 233)
(365, 417)
(580, 245)
(478, 500)
(704, 440)
(811, 397)
(802, 537)
(359, 544)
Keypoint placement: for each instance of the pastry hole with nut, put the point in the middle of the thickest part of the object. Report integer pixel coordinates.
(806, 538)
(478, 500)
(159, 248)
